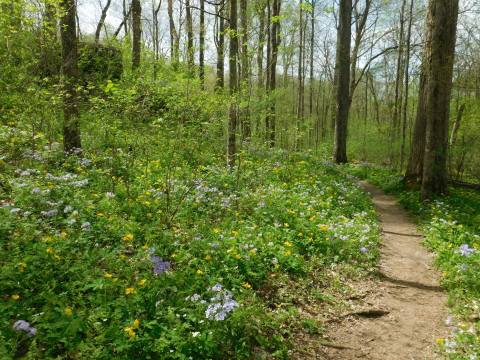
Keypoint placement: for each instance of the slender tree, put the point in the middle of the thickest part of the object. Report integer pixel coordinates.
(190, 49)
(101, 22)
(137, 33)
(220, 42)
(68, 32)
(342, 81)
(440, 72)
(201, 60)
(233, 84)
(261, 43)
(174, 38)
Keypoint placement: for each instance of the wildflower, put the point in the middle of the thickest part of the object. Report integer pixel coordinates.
(130, 332)
(288, 252)
(22, 266)
(15, 297)
(195, 333)
(193, 298)
(22, 325)
(465, 250)
(159, 266)
(68, 209)
(363, 250)
(136, 324)
(200, 272)
(127, 237)
(110, 195)
(323, 227)
(108, 275)
(440, 341)
(129, 291)
(287, 243)
(50, 250)
(86, 226)
(68, 311)
(217, 287)
(142, 282)
(246, 285)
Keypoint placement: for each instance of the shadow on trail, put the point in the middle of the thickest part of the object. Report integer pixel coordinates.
(407, 283)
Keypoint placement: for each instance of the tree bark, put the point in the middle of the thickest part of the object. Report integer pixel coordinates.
(201, 59)
(261, 44)
(174, 39)
(233, 84)
(407, 87)
(220, 81)
(190, 50)
(342, 71)
(137, 33)
(440, 72)
(414, 171)
(68, 31)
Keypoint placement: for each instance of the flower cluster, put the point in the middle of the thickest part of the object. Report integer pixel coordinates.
(221, 304)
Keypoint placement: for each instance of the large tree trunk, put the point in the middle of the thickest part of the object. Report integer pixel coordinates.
(102, 21)
(220, 82)
(137, 33)
(201, 59)
(342, 72)
(414, 172)
(174, 39)
(301, 87)
(440, 71)
(68, 31)
(233, 85)
(190, 50)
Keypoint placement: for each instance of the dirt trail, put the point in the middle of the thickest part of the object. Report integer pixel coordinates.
(407, 291)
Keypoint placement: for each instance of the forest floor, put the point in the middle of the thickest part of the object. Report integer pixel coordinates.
(400, 314)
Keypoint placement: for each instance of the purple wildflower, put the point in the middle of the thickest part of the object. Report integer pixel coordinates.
(159, 265)
(22, 325)
(465, 250)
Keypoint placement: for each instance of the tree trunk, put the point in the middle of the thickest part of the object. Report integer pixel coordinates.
(174, 39)
(312, 48)
(68, 31)
(272, 72)
(233, 84)
(245, 68)
(440, 71)
(342, 71)
(101, 21)
(301, 88)
(220, 81)
(156, 37)
(414, 172)
(137, 33)
(407, 85)
(201, 59)
(261, 44)
(49, 40)
(190, 50)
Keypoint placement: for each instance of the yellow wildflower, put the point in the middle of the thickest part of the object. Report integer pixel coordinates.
(50, 250)
(68, 311)
(22, 266)
(128, 237)
(199, 272)
(108, 275)
(136, 324)
(15, 297)
(130, 332)
(440, 341)
(288, 252)
(287, 243)
(208, 258)
(323, 227)
(246, 285)
(142, 282)
(129, 291)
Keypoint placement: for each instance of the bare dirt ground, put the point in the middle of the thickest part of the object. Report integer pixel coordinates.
(402, 313)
